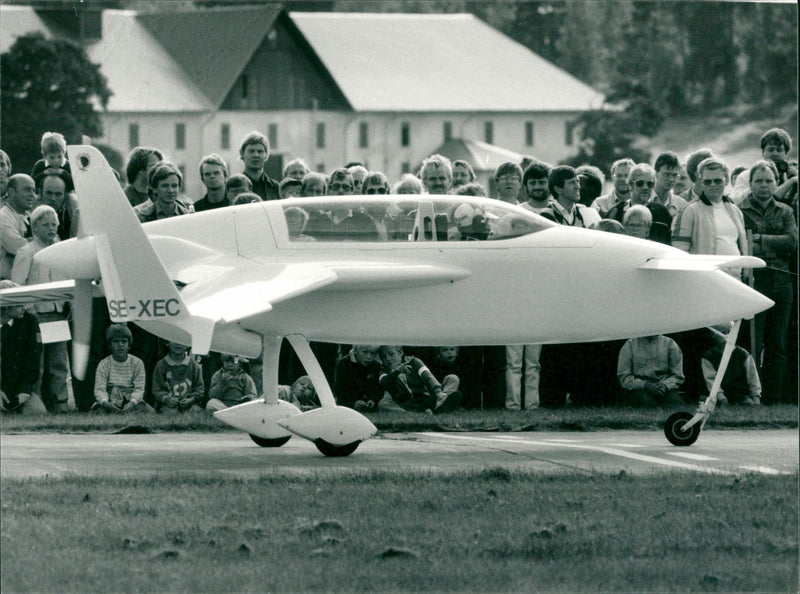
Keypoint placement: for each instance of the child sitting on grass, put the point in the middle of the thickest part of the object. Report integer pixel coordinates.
(301, 393)
(413, 386)
(230, 385)
(120, 377)
(178, 381)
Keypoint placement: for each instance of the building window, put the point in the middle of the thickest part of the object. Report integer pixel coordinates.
(488, 132)
(133, 135)
(363, 135)
(320, 167)
(225, 136)
(182, 169)
(448, 131)
(244, 83)
(528, 133)
(180, 136)
(321, 135)
(569, 129)
(272, 135)
(405, 134)
(406, 167)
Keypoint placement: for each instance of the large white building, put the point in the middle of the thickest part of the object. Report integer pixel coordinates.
(385, 89)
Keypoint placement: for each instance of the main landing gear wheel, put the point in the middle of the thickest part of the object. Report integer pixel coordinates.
(334, 451)
(270, 443)
(675, 432)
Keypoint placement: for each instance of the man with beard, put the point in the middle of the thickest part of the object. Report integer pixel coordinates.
(534, 180)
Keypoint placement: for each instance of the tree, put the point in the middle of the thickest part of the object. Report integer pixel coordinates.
(48, 85)
(608, 135)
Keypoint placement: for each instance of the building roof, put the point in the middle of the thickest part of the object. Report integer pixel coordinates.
(212, 47)
(177, 62)
(183, 65)
(427, 62)
(480, 155)
(16, 21)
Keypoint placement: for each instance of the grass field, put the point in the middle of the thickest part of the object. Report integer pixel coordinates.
(478, 531)
(493, 530)
(567, 419)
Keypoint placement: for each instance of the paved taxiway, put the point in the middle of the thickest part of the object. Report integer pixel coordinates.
(719, 452)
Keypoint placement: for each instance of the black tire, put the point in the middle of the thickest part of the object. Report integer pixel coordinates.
(334, 451)
(675, 433)
(270, 443)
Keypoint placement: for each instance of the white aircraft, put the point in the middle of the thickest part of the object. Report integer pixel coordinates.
(240, 279)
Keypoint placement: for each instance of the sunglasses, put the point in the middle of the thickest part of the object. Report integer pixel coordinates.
(714, 182)
(640, 183)
(376, 191)
(341, 187)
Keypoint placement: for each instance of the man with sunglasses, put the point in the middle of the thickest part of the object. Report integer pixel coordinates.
(713, 224)
(377, 184)
(642, 181)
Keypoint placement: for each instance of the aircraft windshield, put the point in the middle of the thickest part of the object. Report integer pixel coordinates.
(419, 217)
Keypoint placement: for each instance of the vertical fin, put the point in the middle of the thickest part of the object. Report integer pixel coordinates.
(135, 281)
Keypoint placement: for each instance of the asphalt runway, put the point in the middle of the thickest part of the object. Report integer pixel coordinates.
(766, 452)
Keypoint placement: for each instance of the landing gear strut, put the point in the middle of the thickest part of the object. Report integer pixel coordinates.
(683, 428)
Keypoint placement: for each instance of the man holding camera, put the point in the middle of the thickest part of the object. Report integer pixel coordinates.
(775, 146)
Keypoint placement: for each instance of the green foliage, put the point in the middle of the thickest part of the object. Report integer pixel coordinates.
(607, 137)
(48, 85)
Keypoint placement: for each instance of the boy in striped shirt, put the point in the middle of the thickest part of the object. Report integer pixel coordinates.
(120, 377)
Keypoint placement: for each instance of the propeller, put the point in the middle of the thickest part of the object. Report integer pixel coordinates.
(81, 327)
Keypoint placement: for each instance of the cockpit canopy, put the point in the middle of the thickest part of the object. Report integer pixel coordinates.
(420, 217)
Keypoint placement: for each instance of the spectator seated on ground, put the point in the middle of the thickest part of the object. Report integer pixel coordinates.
(120, 377)
(301, 393)
(413, 387)
(178, 381)
(230, 385)
(740, 384)
(449, 360)
(650, 370)
(357, 379)
(20, 350)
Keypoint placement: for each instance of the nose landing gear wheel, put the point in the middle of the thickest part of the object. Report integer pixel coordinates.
(675, 432)
(334, 451)
(270, 443)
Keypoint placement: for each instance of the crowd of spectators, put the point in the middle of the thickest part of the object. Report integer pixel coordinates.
(696, 205)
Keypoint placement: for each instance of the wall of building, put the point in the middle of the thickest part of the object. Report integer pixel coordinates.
(295, 134)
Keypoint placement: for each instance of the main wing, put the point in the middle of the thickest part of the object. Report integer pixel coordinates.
(245, 291)
(42, 293)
